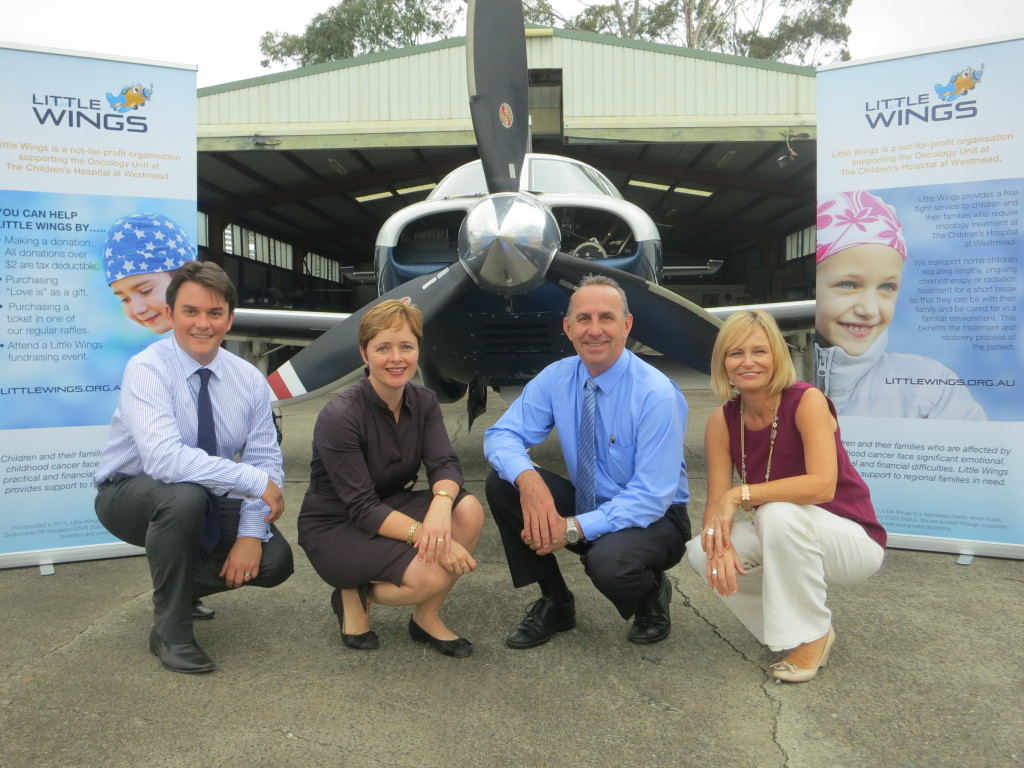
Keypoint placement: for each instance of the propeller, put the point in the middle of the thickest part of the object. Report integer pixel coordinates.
(662, 320)
(498, 85)
(334, 355)
(498, 82)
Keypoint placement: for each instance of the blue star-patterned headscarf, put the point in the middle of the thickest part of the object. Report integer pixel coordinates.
(143, 243)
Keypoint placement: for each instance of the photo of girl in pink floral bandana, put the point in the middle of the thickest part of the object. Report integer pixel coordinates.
(860, 256)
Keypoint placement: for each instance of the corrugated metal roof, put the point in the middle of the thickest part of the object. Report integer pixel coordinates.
(611, 89)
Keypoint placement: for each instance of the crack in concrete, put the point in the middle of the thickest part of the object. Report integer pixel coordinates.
(9, 679)
(774, 704)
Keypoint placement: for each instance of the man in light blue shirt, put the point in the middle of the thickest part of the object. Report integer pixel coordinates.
(636, 526)
(205, 518)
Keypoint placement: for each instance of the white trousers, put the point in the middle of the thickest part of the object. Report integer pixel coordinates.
(791, 553)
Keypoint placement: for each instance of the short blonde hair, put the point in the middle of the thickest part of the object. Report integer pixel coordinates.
(736, 329)
(391, 313)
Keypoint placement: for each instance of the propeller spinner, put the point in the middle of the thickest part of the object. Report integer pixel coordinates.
(507, 242)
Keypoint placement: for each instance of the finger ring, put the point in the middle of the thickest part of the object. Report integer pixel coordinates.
(440, 539)
(709, 532)
(714, 572)
(248, 575)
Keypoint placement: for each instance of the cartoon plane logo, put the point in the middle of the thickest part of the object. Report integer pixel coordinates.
(960, 83)
(130, 97)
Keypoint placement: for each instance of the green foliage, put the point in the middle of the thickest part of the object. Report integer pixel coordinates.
(636, 20)
(355, 27)
(809, 32)
(794, 31)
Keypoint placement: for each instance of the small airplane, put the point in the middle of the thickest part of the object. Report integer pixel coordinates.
(491, 255)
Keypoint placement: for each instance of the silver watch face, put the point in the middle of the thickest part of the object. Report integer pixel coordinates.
(572, 533)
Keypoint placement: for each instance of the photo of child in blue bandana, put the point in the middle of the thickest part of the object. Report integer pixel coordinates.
(140, 256)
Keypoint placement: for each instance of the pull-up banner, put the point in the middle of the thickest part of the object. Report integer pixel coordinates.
(97, 207)
(920, 196)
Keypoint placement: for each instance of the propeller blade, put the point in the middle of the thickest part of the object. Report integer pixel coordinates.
(335, 355)
(675, 327)
(498, 83)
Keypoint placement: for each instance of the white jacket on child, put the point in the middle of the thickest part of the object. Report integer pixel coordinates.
(892, 385)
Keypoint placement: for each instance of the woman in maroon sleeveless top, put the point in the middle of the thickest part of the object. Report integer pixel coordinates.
(812, 520)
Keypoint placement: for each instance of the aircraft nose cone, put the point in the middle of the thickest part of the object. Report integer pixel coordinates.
(507, 242)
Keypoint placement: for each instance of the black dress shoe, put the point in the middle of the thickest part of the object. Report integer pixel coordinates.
(364, 641)
(201, 612)
(460, 647)
(653, 621)
(543, 619)
(187, 658)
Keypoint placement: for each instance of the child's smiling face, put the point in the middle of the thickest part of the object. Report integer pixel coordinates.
(856, 295)
(142, 299)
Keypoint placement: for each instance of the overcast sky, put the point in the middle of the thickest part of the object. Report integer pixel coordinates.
(222, 37)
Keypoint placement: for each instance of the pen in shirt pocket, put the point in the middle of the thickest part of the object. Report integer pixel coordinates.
(611, 440)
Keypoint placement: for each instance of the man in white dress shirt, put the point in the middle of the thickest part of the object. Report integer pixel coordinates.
(204, 514)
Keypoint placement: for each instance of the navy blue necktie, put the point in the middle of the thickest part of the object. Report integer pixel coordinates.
(206, 438)
(585, 485)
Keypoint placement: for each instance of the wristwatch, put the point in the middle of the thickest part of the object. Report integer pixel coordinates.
(444, 493)
(572, 531)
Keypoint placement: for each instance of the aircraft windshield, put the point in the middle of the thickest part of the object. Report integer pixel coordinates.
(553, 175)
(544, 174)
(466, 181)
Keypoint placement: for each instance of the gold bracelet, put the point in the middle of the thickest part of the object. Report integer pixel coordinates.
(745, 497)
(411, 533)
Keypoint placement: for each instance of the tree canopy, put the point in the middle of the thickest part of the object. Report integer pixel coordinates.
(810, 32)
(807, 32)
(354, 27)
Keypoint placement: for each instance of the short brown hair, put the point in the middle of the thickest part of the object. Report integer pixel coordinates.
(736, 329)
(589, 280)
(206, 274)
(390, 313)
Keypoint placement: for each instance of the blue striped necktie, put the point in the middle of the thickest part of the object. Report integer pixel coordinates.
(585, 489)
(206, 439)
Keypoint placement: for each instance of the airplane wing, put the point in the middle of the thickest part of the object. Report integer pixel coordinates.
(283, 326)
(790, 315)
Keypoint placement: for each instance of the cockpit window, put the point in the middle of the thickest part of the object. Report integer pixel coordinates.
(554, 175)
(466, 181)
(543, 174)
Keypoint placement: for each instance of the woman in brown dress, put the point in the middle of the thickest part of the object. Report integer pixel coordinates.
(366, 532)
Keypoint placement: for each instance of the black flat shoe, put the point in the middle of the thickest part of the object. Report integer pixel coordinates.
(544, 618)
(364, 641)
(653, 621)
(200, 612)
(187, 658)
(460, 647)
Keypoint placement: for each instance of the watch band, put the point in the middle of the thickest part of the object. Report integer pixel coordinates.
(572, 531)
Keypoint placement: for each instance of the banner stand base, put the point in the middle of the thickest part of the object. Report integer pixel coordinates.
(49, 557)
(965, 560)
